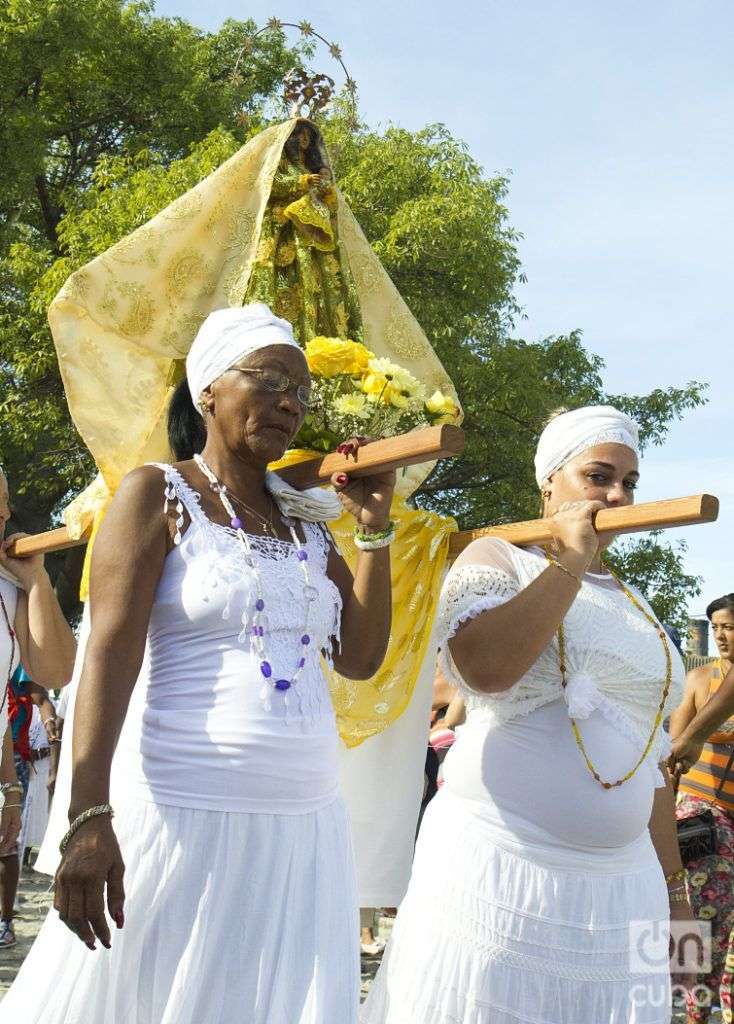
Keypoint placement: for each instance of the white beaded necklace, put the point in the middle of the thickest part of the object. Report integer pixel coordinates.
(259, 618)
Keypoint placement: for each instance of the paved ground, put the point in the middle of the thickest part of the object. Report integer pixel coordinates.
(34, 899)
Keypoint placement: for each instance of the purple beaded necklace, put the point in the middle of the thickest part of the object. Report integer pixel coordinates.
(257, 629)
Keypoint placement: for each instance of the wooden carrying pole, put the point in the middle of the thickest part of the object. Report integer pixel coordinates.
(652, 515)
(425, 445)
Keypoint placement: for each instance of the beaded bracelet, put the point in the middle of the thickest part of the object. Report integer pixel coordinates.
(376, 540)
(677, 897)
(91, 812)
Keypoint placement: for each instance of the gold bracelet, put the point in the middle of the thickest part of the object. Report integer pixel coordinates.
(568, 572)
(676, 876)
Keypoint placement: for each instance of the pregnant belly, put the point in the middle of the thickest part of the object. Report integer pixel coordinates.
(530, 775)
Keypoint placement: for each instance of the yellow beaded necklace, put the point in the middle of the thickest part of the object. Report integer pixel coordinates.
(666, 689)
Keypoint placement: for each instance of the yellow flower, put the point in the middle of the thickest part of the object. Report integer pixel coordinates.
(385, 368)
(707, 913)
(442, 406)
(327, 357)
(399, 399)
(352, 405)
(398, 387)
(698, 878)
(377, 387)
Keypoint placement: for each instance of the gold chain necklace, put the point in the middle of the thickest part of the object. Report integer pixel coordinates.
(266, 522)
(666, 688)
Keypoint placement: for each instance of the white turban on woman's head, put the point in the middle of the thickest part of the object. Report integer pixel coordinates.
(228, 335)
(225, 337)
(572, 433)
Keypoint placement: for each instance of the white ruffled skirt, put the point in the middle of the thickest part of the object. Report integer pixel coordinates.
(498, 931)
(230, 918)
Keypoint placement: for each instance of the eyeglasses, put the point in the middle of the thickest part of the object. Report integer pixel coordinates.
(274, 380)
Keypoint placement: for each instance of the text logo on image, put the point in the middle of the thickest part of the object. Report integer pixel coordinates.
(683, 947)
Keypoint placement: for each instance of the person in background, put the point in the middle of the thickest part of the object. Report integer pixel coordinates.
(42, 738)
(24, 696)
(370, 944)
(709, 717)
(10, 788)
(709, 785)
(442, 735)
(62, 704)
(33, 631)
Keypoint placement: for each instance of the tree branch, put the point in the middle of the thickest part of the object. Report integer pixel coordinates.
(51, 213)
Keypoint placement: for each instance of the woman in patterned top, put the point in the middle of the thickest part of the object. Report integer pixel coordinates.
(709, 785)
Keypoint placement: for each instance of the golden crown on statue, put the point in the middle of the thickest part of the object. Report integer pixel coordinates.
(305, 93)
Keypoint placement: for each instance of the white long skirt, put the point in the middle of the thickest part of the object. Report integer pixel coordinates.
(382, 783)
(230, 918)
(496, 932)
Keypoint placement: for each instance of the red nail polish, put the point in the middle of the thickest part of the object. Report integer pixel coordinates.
(342, 478)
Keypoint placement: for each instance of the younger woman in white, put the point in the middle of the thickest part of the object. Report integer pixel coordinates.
(529, 872)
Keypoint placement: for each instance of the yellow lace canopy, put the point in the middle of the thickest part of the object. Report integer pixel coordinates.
(124, 323)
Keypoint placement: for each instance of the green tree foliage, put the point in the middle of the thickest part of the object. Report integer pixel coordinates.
(82, 79)
(658, 569)
(112, 113)
(83, 82)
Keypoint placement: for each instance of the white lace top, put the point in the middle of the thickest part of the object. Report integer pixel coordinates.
(615, 660)
(205, 729)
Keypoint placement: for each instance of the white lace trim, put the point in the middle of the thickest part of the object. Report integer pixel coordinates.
(229, 568)
(623, 685)
(467, 593)
(496, 952)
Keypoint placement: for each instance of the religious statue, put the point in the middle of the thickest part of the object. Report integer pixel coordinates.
(299, 270)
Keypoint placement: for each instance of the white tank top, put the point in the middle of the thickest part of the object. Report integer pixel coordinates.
(204, 729)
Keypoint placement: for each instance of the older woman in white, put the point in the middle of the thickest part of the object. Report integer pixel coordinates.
(554, 830)
(217, 583)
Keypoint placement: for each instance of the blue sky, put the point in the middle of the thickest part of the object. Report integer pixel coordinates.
(615, 121)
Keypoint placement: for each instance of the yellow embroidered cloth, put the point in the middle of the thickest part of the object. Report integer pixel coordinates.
(123, 324)
(418, 559)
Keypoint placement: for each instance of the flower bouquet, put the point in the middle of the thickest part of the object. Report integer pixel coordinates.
(353, 393)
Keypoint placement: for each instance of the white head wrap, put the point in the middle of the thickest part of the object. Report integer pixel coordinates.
(228, 335)
(225, 337)
(572, 433)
